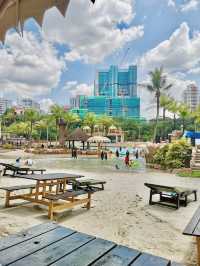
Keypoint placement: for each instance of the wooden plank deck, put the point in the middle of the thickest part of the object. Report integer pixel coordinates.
(51, 244)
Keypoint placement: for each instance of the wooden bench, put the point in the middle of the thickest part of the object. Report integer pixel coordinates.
(19, 170)
(51, 244)
(170, 196)
(71, 196)
(193, 229)
(88, 184)
(9, 190)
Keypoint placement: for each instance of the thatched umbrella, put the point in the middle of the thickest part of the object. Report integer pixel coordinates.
(78, 135)
(99, 140)
(13, 13)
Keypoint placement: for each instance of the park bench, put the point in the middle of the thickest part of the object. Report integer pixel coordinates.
(11, 189)
(193, 229)
(52, 244)
(170, 196)
(71, 196)
(88, 184)
(15, 170)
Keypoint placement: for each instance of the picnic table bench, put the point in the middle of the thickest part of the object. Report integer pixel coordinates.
(11, 189)
(19, 170)
(50, 190)
(170, 196)
(88, 184)
(51, 244)
(193, 229)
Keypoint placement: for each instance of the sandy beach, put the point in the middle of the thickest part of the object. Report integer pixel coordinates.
(120, 213)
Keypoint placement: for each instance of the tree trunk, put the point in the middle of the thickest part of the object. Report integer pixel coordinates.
(157, 114)
(174, 121)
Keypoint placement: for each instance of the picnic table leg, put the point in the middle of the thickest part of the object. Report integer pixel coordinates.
(7, 203)
(37, 189)
(195, 196)
(186, 200)
(50, 212)
(198, 251)
(89, 202)
(177, 201)
(151, 196)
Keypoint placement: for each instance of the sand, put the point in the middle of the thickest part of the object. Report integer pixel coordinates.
(120, 213)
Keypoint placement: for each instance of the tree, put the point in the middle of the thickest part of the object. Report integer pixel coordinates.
(106, 122)
(31, 116)
(70, 118)
(90, 120)
(164, 103)
(57, 113)
(184, 113)
(157, 86)
(173, 108)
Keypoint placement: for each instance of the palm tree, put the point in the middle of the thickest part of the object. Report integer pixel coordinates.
(57, 113)
(31, 115)
(196, 116)
(184, 113)
(106, 122)
(164, 103)
(70, 119)
(90, 120)
(157, 86)
(173, 108)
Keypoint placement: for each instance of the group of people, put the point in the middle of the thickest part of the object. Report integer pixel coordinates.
(104, 155)
(74, 153)
(127, 160)
(28, 162)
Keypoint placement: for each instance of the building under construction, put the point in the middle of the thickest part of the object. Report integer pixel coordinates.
(115, 94)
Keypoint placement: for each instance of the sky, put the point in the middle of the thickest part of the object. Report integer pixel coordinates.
(61, 59)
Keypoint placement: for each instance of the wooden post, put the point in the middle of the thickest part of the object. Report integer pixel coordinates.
(44, 188)
(37, 189)
(198, 251)
(89, 202)
(50, 213)
(7, 203)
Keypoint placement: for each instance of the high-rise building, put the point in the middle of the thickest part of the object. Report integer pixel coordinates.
(29, 103)
(116, 82)
(112, 106)
(4, 105)
(75, 102)
(191, 97)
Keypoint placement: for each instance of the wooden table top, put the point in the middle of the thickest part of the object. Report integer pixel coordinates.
(193, 228)
(50, 243)
(51, 176)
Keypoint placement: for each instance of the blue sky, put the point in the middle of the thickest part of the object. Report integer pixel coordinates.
(61, 60)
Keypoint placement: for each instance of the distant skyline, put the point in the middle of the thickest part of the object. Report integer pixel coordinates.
(61, 59)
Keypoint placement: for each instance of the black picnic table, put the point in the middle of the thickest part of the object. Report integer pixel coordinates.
(52, 244)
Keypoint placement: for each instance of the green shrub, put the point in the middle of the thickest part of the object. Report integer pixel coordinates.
(7, 146)
(174, 155)
(160, 156)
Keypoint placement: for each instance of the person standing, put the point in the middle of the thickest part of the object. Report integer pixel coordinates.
(137, 154)
(117, 153)
(102, 155)
(127, 153)
(126, 160)
(106, 156)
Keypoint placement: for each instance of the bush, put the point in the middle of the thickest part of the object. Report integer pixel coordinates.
(7, 146)
(174, 155)
(151, 151)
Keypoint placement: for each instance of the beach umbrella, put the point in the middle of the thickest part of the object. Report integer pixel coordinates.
(99, 139)
(13, 13)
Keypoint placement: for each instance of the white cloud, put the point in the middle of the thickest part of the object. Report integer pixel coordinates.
(190, 5)
(91, 31)
(171, 3)
(46, 104)
(194, 71)
(73, 88)
(177, 54)
(28, 67)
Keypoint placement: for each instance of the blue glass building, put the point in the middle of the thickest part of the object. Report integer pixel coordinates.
(117, 82)
(115, 94)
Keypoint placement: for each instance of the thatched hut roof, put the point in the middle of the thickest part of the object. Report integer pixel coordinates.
(77, 135)
(13, 13)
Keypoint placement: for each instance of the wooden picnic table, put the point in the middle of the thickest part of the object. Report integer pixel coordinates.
(49, 189)
(51, 244)
(193, 229)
